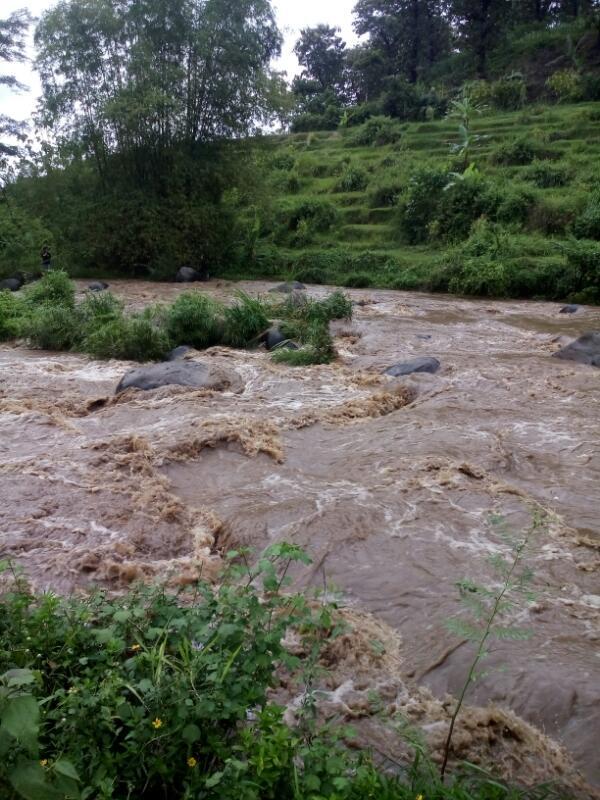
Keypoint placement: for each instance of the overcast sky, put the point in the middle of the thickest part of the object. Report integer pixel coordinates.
(292, 15)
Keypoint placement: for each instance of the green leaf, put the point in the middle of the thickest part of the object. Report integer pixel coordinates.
(213, 780)
(191, 734)
(105, 635)
(19, 677)
(64, 767)
(312, 783)
(21, 718)
(29, 781)
(122, 616)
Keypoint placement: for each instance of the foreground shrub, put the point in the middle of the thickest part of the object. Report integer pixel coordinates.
(587, 224)
(321, 266)
(310, 275)
(318, 215)
(584, 258)
(244, 321)
(169, 688)
(509, 93)
(358, 280)
(353, 179)
(420, 204)
(134, 338)
(566, 86)
(196, 320)
(11, 308)
(308, 324)
(547, 176)
(51, 327)
(376, 131)
(519, 152)
(554, 214)
(53, 288)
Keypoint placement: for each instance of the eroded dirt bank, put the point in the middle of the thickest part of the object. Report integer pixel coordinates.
(389, 483)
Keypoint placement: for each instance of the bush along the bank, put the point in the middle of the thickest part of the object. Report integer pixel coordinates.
(47, 316)
(150, 696)
(439, 205)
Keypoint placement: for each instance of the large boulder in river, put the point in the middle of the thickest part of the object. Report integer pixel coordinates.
(181, 373)
(289, 287)
(98, 286)
(12, 284)
(422, 364)
(585, 350)
(570, 309)
(189, 275)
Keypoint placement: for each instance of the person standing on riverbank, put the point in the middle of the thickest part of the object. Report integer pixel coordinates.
(46, 257)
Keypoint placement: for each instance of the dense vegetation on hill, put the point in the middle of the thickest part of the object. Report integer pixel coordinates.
(454, 149)
(511, 208)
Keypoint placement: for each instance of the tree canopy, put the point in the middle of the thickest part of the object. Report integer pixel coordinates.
(119, 75)
(13, 30)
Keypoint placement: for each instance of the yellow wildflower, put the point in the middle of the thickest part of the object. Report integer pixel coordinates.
(191, 762)
(157, 723)
(44, 762)
(135, 647)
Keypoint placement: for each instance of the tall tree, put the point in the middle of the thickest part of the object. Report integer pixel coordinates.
(533, 10)
(577, 8)
(322, 53)
(480, 24)
(13, 30)
(139, 77)
(410, 35)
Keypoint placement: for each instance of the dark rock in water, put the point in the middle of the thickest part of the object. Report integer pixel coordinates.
(181, 373)
(288, 288)
(273, 339)
(12, 284)
(189, 275)
(179, 352)
(424, 364)
(570, 309)
(424, 336)
(98, 286)
(585, 350)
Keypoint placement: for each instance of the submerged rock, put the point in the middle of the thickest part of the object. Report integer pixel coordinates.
(289, 287)
(178, 352)
(98, 286)
(189, 275)
(274, 339)
(181, 373)
(12, 284)
(585, 350)
(422, 364)
(570, 309)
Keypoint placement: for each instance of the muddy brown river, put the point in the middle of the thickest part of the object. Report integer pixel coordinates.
(388, 483)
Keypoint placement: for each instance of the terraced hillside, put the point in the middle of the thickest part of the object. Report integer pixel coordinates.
(393, 206)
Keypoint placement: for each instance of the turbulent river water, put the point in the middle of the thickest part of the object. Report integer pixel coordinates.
(388, 483)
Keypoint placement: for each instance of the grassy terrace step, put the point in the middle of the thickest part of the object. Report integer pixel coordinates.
(373, 233)
(364, 232)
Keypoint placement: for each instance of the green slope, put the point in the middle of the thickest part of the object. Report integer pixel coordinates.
(333, 210)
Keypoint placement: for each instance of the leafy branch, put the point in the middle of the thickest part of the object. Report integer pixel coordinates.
(490, 607)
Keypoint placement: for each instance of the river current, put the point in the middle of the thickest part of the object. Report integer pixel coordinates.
(390, 484)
